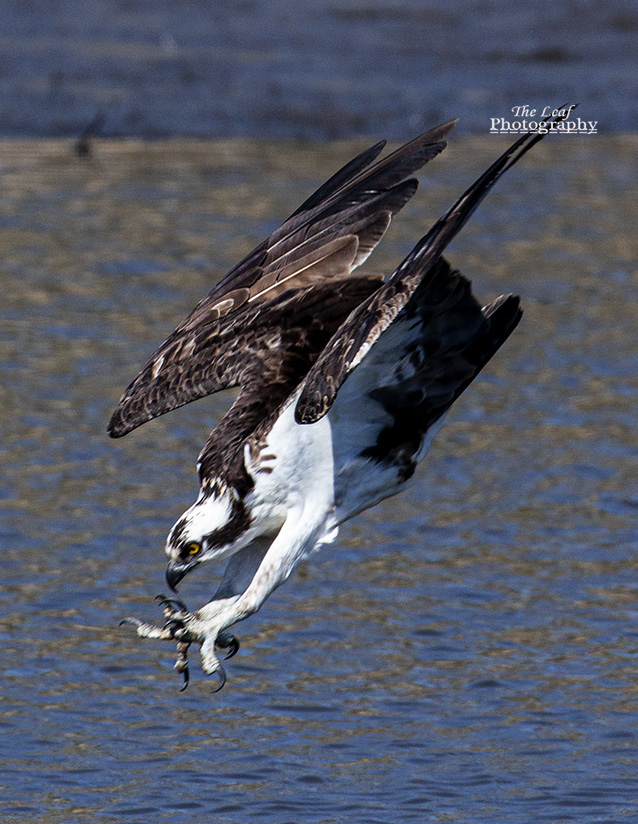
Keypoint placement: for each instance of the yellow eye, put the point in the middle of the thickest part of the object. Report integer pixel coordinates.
(194, 548)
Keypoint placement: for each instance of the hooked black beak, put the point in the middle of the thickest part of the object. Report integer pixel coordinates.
(175, 572)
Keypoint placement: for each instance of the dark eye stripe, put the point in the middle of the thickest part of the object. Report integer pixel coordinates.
(237, 524)
(177, 531)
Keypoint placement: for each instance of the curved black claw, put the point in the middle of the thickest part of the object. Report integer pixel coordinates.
(221, 674)
(181, 665)
(226, 640)
(173, 603)
(177, 629)
(135, 622)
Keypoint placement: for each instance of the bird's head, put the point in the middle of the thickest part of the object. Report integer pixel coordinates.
(215, 526)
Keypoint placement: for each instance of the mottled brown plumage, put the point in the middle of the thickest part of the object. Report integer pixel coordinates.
(266, 322)
(284, 337)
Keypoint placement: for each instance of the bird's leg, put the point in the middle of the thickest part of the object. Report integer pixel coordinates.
(251, 576)
(248, 582)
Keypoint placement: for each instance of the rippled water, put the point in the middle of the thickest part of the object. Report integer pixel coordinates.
(320, 71)
(466, 652)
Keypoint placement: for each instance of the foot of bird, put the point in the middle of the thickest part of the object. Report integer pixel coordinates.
(181, 626)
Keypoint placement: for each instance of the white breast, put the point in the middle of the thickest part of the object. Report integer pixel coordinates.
(295, 470)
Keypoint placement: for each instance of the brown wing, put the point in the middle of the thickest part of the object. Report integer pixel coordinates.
(276, 350)
(322, 242)
(371, 318)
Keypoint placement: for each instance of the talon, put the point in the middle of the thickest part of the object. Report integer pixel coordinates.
(135, 622)
(221, 674)
(176, 628)
(226, 640)
(173, 625)
(173, 603)
(181, 665)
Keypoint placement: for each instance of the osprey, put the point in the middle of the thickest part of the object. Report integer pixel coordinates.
(344, 381)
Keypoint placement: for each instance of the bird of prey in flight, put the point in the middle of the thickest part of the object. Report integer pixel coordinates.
(344, 380)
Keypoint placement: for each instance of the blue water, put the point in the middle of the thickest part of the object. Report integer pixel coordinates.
(322, 70)
(466, 652)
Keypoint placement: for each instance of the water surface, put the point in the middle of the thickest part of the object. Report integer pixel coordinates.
(465, 652)
(322, 70)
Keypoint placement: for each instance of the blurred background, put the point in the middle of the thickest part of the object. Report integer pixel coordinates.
(322, 70)
(465, 652)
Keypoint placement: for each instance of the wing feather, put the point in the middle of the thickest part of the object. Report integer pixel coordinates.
(323, 241)
(370, 319)
(353, 187)
(327, 261)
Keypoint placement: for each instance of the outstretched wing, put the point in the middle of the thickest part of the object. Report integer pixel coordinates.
(370, 319)
(332, 233)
